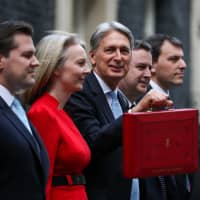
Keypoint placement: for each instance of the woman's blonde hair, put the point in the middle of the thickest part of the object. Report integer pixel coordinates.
(50, 53)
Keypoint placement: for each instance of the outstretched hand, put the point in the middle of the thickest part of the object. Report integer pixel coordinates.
(152, 101)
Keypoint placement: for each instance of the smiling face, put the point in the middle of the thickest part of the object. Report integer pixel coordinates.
(18, 68)
(136, 81)
(111, 58)
(74, 69)
(169, 69)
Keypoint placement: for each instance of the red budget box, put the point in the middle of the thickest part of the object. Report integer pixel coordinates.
(160, 143)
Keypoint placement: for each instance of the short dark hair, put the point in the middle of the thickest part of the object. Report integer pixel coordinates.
(142, 44)
(8, 29)
(156, 41)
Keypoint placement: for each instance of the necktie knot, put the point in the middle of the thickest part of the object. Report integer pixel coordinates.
(16, 103)
(115, 105)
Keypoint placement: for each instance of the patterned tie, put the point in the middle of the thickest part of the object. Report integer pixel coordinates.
(163, 186)
(20, 112)
(115, 105)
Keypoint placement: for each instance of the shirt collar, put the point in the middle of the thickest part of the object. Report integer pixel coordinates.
(158, 88)
(6, 95)
(106, 89)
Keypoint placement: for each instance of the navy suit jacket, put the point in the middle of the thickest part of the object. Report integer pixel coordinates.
(91, 113)
(150, 188)
(24, 167)
(195, 182)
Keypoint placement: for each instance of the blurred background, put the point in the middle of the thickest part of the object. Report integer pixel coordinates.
(180, 18)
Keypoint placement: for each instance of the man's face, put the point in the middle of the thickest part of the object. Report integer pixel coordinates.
(18, 69)
(138, 77)
(169, 70)
(111, 58)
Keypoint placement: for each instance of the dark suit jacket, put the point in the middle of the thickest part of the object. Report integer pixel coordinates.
(23, 169)
(93, 116)
(195, 189)
(150, 188)
(195, 180)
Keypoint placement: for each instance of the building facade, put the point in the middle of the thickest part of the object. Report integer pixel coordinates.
(180, 18)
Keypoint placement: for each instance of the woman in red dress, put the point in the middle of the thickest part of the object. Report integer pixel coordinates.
(63, 68)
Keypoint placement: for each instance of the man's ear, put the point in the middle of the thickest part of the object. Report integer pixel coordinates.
(2, 61)
(57, 72)
(153, 69)
(92, 57)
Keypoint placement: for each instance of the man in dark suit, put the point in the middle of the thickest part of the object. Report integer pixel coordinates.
(93, 114)
(167, 71)
(24, 161)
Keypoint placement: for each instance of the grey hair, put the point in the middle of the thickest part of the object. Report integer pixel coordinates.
(105, 27)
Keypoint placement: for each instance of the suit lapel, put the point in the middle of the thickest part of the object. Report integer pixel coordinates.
(123, 102)
(41, 151)
(22, 130)
(99, 97)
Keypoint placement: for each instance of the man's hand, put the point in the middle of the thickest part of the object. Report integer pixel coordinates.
(152, 101)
